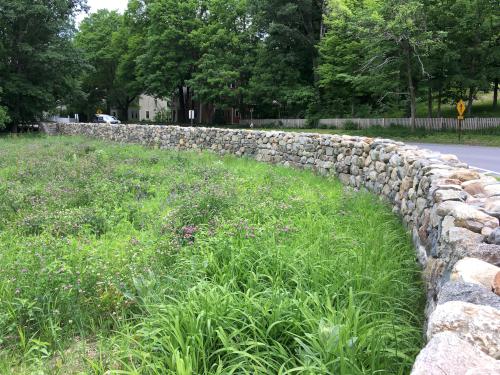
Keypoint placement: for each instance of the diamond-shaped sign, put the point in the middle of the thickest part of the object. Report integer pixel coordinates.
(461, 107)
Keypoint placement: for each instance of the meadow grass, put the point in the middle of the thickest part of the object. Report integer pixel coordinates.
(120, 259)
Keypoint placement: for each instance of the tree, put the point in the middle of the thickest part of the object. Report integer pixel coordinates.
(390, 38)
(226, 49)
(37, 59)
(474, 37)
(95, 40)
(171, 55)
(129, 44)
(348, 84)
(288, 33)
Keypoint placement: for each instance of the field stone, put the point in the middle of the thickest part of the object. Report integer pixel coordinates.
(449, 195)
(474, 187)
(486, 231)
(467, 216)
(468, 292)
(456, 243)
(492, 207)
(494, 237)
(488, 252)
(496, 284)
(465, 175)
(472, 270)
(492, 190)
(448, 354)
(477, 324)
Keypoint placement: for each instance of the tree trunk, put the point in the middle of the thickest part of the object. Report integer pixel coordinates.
(124, 111)
(411, 88)
(429, 102)
(495, 94)
(440, 94)
(470, 101)
(181, 113)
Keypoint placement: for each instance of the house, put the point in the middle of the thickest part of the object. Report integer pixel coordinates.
(147, 108)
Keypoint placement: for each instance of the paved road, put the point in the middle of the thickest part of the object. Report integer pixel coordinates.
(484, 158)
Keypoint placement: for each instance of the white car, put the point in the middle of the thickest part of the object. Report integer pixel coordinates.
(106, 119)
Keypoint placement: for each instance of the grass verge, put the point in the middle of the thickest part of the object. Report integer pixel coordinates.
(122, 259)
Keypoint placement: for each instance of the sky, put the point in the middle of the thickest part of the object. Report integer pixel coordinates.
(94, 5)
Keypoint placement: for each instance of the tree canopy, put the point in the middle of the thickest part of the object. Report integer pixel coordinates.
(39, 64)
(312, 58)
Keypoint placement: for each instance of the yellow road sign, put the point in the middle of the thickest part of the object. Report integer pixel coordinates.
(461, 107)
(460, 117)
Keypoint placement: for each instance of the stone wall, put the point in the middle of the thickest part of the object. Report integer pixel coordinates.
(452, 212)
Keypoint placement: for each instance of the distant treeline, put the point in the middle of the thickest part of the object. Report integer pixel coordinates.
(302, 58)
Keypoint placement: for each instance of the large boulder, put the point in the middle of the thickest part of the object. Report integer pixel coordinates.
(448, 354)
(477, 324)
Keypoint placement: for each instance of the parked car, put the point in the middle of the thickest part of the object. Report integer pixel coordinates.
(106, 119)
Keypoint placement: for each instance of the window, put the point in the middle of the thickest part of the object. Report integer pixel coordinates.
(147, 115)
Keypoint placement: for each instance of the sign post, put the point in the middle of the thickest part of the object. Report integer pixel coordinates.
(191, 116)
(460, 118)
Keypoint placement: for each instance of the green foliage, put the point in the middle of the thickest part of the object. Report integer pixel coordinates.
(163, 116)
(132, 260)
(350, 125)
(38, 62)
(224, 44)
(4, 117)
(111, 44)
(391, 54)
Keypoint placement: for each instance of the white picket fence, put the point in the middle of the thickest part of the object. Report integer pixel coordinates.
(473, 123)
(64, 120)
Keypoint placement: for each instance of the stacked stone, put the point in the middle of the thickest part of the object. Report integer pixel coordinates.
(452, 211)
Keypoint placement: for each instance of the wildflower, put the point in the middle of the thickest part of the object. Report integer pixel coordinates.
(189, 231)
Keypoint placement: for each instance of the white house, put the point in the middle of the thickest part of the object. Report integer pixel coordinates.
(145, 108)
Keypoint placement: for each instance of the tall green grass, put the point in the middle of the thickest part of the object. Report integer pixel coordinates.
(127, 260)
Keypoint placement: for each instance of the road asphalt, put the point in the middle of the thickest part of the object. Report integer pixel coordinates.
(486, 159)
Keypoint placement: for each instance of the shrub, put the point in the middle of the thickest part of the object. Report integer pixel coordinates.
(4, 117)
(350, 125)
